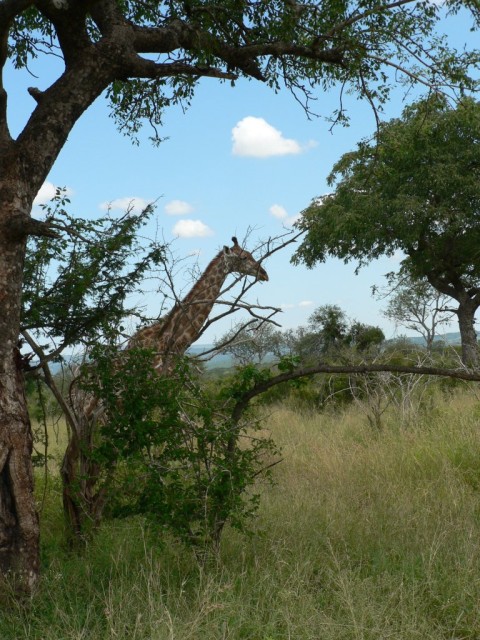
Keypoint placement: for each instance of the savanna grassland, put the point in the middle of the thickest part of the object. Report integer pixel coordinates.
(365, 534)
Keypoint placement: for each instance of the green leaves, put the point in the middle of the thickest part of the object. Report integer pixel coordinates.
(31, 34)
(164, 48)
(171, 447)
(76, 286)
(415, 189)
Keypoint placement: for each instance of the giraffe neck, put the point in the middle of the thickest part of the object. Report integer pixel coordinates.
(174, 333)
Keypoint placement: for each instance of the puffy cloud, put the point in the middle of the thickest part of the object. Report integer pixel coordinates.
(305, 303)
(132, 203)
(279, 212)
(47, 192)
(255, 137)
(178, 208)
(191, 229)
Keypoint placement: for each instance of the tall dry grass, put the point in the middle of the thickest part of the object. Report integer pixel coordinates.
(365, 535)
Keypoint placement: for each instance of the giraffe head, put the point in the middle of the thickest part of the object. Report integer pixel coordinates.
(238, 260)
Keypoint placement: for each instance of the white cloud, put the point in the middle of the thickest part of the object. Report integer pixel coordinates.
(178, 208)
(47, 192)
(191, 229)
(134, 203)
(289, 305)
(255, 137)
(279, 212)
(292, 219)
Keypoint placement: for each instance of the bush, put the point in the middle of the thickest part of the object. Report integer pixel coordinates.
(170, 451)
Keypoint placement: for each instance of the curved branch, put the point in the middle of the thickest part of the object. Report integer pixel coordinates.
(262, 387)
(356, 17)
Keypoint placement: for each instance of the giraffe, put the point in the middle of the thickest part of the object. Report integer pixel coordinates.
(174, 333)
(169, 337)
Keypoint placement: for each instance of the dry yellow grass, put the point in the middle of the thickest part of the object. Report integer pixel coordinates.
(365, 536)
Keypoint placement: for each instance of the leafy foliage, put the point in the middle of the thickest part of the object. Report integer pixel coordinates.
(415, 190)
(330, 331)
(304, 46)
(77, 284)
(169, 450)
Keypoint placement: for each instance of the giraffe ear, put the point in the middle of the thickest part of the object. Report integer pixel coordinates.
(226, 249)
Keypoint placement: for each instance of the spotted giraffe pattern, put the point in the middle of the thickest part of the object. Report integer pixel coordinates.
(174, 333)
(171, 336)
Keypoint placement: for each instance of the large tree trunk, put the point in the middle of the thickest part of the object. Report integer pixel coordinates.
(468, 302)
(19, 528)
(466, 322)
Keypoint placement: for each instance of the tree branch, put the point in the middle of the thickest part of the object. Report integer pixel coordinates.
(262, 387)
(141, 67)
(10, 8)
(49, 380)
(21, 226)
(356, 17)
(181, 35)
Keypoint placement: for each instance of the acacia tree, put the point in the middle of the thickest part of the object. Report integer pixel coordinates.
(251, 342)
(146, 55)
(416, 305)
(415, 188)
(330, 331)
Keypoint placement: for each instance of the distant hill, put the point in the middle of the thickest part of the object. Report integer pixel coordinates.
(452, 338)
(221, 361)
(225, 361)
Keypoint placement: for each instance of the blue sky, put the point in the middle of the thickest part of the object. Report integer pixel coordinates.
(238, 158)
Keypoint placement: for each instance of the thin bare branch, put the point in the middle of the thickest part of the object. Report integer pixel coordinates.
(49, 380)
(358, 16)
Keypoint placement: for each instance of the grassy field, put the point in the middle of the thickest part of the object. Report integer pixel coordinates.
(365, 535)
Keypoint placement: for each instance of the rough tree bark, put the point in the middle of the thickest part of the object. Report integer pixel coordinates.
(19, 530)
(24, 165)
(466, 323)
(451, 285)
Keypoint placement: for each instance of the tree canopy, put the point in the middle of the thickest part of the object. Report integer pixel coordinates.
(414, 188)
(153, 53)
(416, 305)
